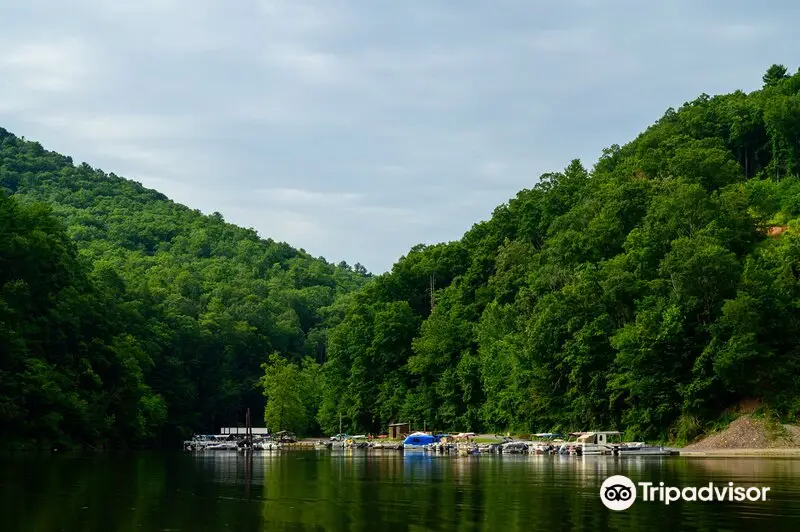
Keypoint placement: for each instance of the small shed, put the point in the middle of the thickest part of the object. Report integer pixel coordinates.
(396, 430)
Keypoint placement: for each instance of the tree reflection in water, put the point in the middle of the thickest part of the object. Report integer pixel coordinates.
(375, 491)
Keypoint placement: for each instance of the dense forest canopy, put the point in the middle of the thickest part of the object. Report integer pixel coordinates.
(126, 318)
(649, 294)
(645, 294)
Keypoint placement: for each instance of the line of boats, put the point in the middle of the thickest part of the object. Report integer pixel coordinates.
(576, 443)
(231, 442)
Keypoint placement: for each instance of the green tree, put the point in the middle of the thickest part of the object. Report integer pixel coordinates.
(283, 387)
(649, 293)
(774, 75)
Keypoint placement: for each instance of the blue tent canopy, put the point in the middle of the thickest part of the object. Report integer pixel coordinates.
(419, 438)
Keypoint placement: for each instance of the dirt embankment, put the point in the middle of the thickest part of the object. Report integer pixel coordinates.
(777, 230)
(748, 432)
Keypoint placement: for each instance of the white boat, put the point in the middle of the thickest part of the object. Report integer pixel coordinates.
(590, 443)
(547, 443)
(223, 446)
(465, 449)
(229, 442)
(517, 447)
(200, 441)
(642, 449)
(610, 443)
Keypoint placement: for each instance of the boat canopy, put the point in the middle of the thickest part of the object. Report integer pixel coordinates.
(593, 436)
(419, 438)
(548, 435)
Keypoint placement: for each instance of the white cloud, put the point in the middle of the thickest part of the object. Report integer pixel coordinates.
(308, 65)
(57, 66)
(295, 196)
(122, 127)
(141, 8)
(300, 19)
(378, 214)
(170, 27)
(276, 109)
(573, 40)
(493, 169)
(739, 33)
(331, 124)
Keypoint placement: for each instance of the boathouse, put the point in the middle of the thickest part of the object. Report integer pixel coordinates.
(397, 430)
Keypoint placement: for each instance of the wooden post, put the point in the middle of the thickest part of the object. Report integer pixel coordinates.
(248, 455)
(248, 431)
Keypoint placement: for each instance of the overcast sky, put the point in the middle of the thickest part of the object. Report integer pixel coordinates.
(357, 129)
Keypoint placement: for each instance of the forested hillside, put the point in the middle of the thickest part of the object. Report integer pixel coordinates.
(647, 294)
(128, 319)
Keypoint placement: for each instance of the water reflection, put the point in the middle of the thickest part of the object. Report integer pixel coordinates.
(360, 490)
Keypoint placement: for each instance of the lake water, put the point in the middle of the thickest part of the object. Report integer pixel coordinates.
(372, 491)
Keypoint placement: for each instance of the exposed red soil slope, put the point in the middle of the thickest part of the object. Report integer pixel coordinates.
(777, 230)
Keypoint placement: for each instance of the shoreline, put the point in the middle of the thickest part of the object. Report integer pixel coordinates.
(756, 453)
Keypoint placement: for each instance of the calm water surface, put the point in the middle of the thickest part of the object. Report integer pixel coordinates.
(313, 490)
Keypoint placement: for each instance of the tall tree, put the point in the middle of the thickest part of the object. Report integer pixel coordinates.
(285, 408)
(774, 75)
